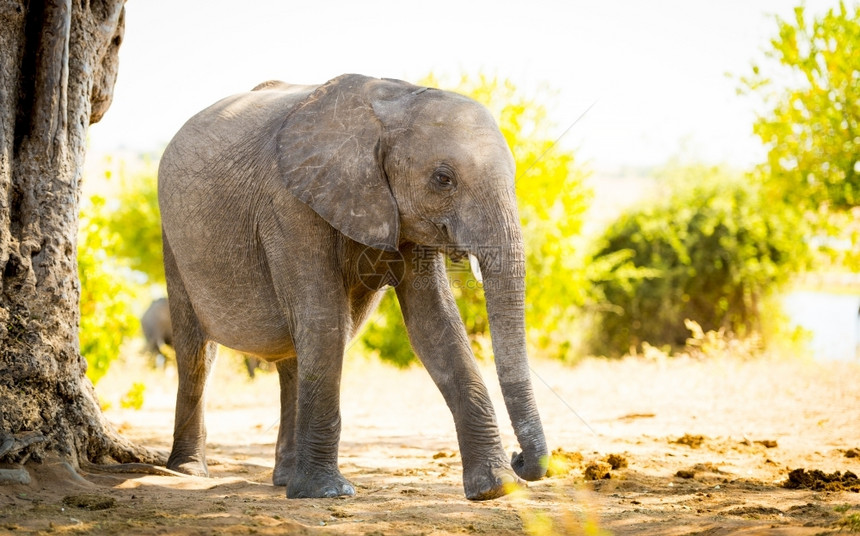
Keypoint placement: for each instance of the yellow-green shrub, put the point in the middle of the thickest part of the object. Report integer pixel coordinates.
(713, 252)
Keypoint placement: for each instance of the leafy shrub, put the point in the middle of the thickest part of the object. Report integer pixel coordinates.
(385, 335)
(133, 398)
(119, 249)
(135, 224)
(810, 123)
(106, 315)
(712, 252)
(131, 222)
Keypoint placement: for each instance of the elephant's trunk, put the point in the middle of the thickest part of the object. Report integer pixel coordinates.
(503, 270)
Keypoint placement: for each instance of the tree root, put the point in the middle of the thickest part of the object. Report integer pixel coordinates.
(14, 476)
(18, 442)
(137, 468)
(120, 450)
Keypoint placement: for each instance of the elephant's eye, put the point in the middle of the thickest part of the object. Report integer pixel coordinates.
(444, 179)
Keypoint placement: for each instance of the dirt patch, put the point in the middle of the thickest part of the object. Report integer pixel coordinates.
(703, 469)
(89, 501)
(634, 416)
(692, 441)
(562, 462)
(755, 512)
(400, 450)
(820, 481)
(598, 471)
(616, 461)
(818, 514)
(686, 473)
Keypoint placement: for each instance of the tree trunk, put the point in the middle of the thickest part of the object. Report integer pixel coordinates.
(58, 65)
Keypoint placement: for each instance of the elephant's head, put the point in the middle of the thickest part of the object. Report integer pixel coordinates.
(420, 165)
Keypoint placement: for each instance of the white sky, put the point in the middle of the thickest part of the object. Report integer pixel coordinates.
(658, 67)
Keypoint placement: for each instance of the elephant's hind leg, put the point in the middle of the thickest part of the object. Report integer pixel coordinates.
(194, 358)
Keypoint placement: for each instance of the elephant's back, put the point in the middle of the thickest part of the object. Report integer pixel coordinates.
(222, 152)
(227, 129)
(216, 179)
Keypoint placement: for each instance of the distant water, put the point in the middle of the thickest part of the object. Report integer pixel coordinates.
(833, 320)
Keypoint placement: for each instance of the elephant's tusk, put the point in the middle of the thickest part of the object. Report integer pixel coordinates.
(476, 268)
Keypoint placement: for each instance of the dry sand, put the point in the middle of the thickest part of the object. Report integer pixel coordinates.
(707, 446)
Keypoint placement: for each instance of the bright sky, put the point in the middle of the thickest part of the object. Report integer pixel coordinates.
(657, 68)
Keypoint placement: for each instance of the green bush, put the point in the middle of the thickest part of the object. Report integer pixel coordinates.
(712, 252)
(385, 335)
(106, 301)
(133, 398)
(135, 224)
(119, 250)
(131, 221)
(810, 122)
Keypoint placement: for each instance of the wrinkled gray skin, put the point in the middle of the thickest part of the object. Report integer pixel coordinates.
(286, 210)
(158, 332)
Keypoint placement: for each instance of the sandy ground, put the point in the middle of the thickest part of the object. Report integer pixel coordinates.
(707, 446)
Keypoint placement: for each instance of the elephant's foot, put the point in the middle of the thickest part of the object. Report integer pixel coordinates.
(530, 467)
(189, 465)
(488, 482)
(283, 473)
(328, 484)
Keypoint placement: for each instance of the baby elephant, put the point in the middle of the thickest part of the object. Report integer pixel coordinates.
(286, 212)
(157, 330)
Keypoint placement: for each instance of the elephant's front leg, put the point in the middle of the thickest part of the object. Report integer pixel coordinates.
(439, 338)
(285, 450)
(320, 345)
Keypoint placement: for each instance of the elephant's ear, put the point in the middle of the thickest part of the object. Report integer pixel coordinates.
(329, 156)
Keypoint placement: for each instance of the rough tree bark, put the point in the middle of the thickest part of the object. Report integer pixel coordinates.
(58, 65)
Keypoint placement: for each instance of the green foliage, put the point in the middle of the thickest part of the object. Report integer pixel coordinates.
(119, 249)
(386, 335)
(133, 398)
(106, 316)
(136, 222)
(552, 203)
(712, 252)
(812, 124)
(133, 223)
(849, 523)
